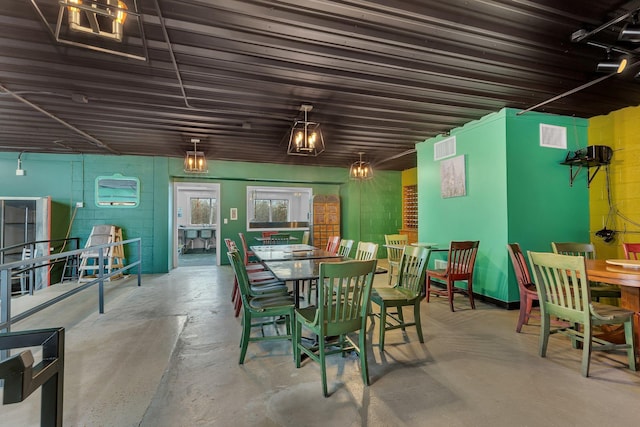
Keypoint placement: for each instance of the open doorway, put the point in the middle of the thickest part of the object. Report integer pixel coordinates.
(196, 218)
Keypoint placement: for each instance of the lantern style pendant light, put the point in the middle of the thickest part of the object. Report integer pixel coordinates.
(361, 170)
(194, 161)
(305, 138)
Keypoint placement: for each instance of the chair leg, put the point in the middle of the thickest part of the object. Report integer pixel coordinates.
(383, 324)
(450, 293)
(362, 354)
(297, 339)
(529, 308)
(234, 291)
(238, 306)
(470, 292)
(323, 365)
(545, 321)
(416, 317)
(401, 317)
(390, 274)
(587, 345)
(630, 340)
(523, 312)
(428, 287)
(246, 333)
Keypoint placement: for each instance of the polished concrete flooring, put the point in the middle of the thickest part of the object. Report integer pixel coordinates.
(165, 354)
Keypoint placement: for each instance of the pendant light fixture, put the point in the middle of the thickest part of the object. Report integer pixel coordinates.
(361, 170)
(194, 161)
(305, 138)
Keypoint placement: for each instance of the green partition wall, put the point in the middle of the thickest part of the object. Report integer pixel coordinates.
(516, 191)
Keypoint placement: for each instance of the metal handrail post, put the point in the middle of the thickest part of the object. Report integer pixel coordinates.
(5, 305)
(140, 261)
(101, 281)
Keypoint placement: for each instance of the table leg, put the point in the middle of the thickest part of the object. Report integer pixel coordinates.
(630, 299)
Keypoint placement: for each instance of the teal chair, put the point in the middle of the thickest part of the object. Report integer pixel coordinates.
(563, 291)
(344, 289)
(406, 292)
(266, 308)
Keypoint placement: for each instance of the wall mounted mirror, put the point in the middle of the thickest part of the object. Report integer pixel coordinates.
(117, 191)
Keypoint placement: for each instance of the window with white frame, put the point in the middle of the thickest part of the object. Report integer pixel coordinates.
(281, 208)
(203, 210)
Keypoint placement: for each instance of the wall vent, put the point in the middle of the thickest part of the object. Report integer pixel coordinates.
(445, 148)
(553, 136)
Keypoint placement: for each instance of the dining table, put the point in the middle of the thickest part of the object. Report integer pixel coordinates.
(625, 275)
(297, 271)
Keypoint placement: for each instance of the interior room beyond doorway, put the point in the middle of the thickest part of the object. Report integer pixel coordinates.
(196, 224)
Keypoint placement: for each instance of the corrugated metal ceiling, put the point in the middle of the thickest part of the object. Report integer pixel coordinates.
(381, 75)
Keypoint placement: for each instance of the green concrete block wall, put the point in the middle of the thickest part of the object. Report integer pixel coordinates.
(69, 179)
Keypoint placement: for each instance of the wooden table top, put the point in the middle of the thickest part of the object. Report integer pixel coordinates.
(599, 271)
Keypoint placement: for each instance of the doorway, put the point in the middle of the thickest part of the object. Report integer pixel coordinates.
(196, 218)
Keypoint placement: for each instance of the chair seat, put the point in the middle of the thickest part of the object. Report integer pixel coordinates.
(277, 287)
(440, 272)
(262, 303)
(394, 294)
(610, 312)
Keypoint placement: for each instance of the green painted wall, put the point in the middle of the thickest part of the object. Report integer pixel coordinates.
(517, 191)
(71, 178)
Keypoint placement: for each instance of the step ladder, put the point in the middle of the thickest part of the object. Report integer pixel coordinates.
(113, 256)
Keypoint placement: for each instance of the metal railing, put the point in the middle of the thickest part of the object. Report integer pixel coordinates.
(22, 377)
(26, 272)
(6, 319)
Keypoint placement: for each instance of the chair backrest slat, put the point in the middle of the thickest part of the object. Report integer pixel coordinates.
(413, 263)
(344, 249)
(563, 285)
(366, 251)
(332, 244)
(631, 250)
(344, 290)
(462, 258)
(394, 254)
(519, 264)
(587, 250)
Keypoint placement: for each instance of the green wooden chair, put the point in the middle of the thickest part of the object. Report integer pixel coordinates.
(587, 250)
(394, 253)
(344, 249)
(263, 306)
(366, 251)
(407, 292)
(344, 290)
(563, 291)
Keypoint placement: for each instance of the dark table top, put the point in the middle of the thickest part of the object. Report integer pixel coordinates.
(296, 270)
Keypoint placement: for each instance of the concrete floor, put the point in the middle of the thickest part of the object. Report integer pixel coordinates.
(165, 354)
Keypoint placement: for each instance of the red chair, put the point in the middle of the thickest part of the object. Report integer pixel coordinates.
(631, 250)
(332, 244)
(460, 264)
(528, 291)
